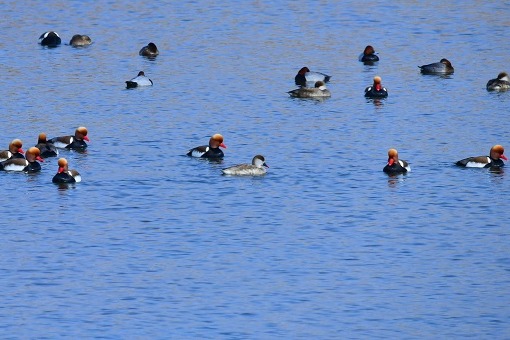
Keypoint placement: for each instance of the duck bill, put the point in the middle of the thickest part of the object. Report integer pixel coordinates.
(223, 146)
(391, 161)
(504, 157)
(60, 170)
(39, 159)
(20, 150)
(86, 138)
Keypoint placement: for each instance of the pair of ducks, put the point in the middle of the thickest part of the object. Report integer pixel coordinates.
(212, 151)
(150, 51)
(397, 166)
(52, 39)
(15, 159)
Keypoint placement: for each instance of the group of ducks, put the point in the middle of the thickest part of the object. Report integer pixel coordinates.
(15, 159)
(494, 160)
(213, 152)
(311, 85)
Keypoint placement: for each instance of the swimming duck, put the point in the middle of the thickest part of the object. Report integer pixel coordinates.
(501, 83)
(79, 40)
(496, 155)
(395, 166)
(76, 142)
(46, 147)
(376, 90)
(64, 175)
(305, 77)
(368, 55)
(14, 151)
(319, 91)
(209, 151)
(138, 81)
(149, 51)
(442, 67)
(256, 168)
(29, 164)
(50, 39)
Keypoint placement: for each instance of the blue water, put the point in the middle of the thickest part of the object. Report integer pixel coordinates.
(154, 244)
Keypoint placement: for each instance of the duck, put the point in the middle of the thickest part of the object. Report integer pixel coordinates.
(76, 142)
(15, 151)
(46, 147)
(150, 50)
(50, 39)
(318, 91)
(442, 67)
(138, 81)
(495, 159)
(64, 175)
(211, 151)
(305, 77)
(79, 40)
(376, 90)
(256, 168)
(29, 165)
(396, 166)
(501, 83)
(369, 55)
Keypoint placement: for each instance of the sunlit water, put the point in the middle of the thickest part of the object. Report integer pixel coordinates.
(153, 244)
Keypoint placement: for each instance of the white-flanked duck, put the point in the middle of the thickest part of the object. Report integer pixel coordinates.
(495, 159)
(305, 77)
(140, 80)
(501, 83)
(211, 151)
(64, 175)
(50, 39)
(76, 142)
(14, 151)
(29, 164)
(79, 40)
(369, 55)
(256, 168)
(47, 148)
(395, 166)
(319, 91)
(151, 50)
(376, 90)
(442, 67)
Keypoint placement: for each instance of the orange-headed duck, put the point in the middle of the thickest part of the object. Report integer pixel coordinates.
(211, 151)
(395, 166)
(14, 151)
(29, 164)
(495, 159)
(376, 90)
(64, 175)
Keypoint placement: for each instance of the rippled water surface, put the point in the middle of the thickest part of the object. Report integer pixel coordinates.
(154, 244)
